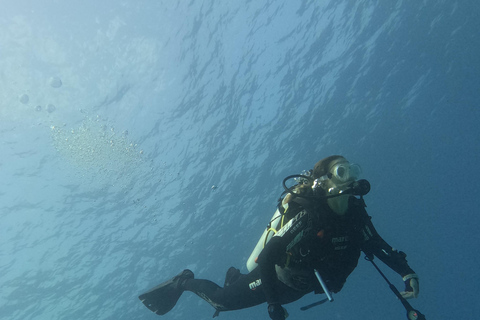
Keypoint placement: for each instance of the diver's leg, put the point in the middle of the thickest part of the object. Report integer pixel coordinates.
(243, 293)
(240, 291)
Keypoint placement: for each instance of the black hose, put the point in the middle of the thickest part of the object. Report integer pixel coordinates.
(412, 314)
(289, 190)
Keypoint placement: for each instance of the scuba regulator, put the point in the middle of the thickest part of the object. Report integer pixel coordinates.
(357, 187)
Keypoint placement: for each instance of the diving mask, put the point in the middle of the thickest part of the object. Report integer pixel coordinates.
(344, 171)
(339, 178)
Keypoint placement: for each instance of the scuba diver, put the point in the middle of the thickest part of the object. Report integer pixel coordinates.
(312, 244)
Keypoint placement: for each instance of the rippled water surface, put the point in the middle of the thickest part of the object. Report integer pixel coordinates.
(138, 138)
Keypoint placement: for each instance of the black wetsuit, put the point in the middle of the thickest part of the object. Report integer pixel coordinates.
(314, 238)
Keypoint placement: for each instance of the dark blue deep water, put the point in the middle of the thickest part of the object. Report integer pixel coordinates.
(138, 138)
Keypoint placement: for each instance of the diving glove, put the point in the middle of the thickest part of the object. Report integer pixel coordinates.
(411, 286)
(277, 312)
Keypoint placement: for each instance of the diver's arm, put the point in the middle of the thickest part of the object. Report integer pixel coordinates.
(275, 253)
(396, 260)
(271, 255)
(374, 244)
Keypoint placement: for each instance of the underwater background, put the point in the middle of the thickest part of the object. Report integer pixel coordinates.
(139, 138)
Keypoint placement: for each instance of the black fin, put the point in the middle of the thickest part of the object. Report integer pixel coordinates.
(163, 297)
(232, 275)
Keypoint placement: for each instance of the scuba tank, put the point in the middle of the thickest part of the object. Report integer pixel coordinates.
(271, 229)
(278, 219)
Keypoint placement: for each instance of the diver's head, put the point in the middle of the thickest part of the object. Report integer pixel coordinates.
(335, 171)
(334, 176)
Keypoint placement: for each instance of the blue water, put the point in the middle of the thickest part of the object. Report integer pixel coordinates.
(176, 122)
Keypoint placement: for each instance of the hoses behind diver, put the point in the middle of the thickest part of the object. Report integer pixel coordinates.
(357, 188)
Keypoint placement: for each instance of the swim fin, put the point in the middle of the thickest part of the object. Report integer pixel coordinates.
(232, 275)
(163, 297)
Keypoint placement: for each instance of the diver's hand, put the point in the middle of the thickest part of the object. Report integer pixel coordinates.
(411, 286)
(277, 312)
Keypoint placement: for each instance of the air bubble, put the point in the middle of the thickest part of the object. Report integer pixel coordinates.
(24, 98)
(55, 82)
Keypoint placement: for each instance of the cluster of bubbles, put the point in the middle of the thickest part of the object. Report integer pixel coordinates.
(50, 108)
(98, 150)
(54, 82)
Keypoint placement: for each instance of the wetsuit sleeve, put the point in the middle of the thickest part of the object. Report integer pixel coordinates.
(374, 244)
(274, 253)
(271, 255)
